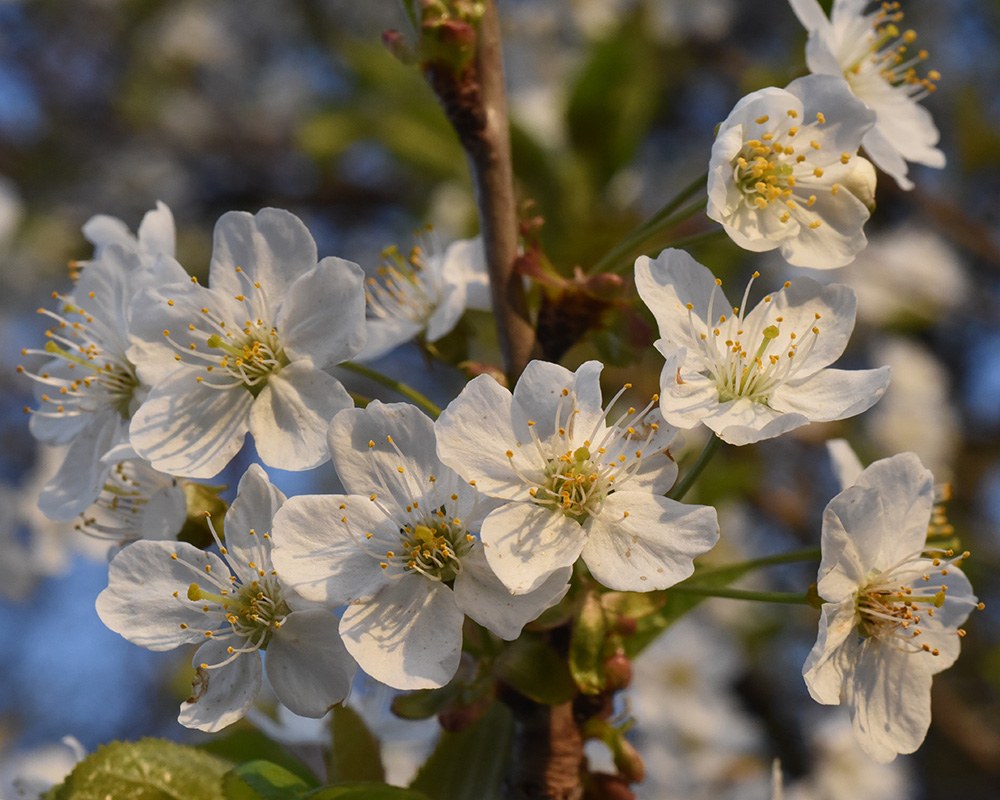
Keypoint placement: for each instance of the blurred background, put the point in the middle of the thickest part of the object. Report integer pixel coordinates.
(107, 106)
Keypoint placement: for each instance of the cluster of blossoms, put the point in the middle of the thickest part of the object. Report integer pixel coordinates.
(154, 380)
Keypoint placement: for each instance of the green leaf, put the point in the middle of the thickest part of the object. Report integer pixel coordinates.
(537, 671)
(355, 754)
(249, 744)
(676, 605)
(150, 769)
(470, 764)
(425, 703)
(586, 649)
(263, 780)
(367, 790)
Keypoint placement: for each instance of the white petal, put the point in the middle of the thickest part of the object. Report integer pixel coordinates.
(82, 475)
(889, 696)
(165, 514)
(830, 657)
(484, 597)
(538, 397)
(839, 237)
(323, 314)
(667, 284)
(449, 310)
(465, 262)
(409, 636)
(139, 602)
(102, 230)
(846, 464)
(307, 665)
(272, 247)
(230, 690)
(325, 559)
(810, 14)
(290, 416)
(905, 489)
(639, 542)
(851, 540)
(847, 117)
(189, 428)
(385, 335)
(257, 501)
(473, 435)
(525, 543)
(156, 231)
(359, 440)
(831, 394)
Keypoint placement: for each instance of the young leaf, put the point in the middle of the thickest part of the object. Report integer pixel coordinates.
(150, 769)
(365, 790)
(355, 754)
(470, 765)
(241, 744)
(535, 670)
(262, 780)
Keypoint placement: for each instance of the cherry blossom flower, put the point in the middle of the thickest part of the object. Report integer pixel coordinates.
(137, 502)
(572, 484)
(424, 293)
(400, 551)
(89, 389)
(249, 353)
(880, 65)
(756, 373)
(893, 606)
(162, 595)
(785, 173)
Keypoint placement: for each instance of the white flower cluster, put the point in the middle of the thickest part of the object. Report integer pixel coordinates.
(488, 512)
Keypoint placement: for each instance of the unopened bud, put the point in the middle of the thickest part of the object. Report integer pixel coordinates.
(617, 672)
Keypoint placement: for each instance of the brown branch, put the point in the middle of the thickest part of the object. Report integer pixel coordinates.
(475, 102)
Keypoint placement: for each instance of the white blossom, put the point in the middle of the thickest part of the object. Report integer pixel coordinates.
(162, 595)
(893, 606)
(400, 551)
(571, 484)
(754, 373)
(89, 390)
(137, 502)
(249, 352)
(424, 293)
(784, 172)
(879, 63)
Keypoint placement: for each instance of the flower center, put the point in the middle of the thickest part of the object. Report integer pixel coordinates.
(888, 57)
(124, 500)
(251, 357)
(575, 476)
(774, 171)
(749, 362)
(434, 547)
(106, 378)
(403, 287)
(896, 601)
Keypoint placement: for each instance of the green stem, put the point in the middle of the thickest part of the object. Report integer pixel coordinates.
(788, 598)
(662, 220)
(407, 391)
(681, 489)
(698, 238)
(792, 557)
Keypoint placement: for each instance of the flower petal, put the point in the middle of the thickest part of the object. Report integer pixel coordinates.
(320, 548)
(547, 394)
(639, 542)
(273, 247)
(323, 314)
(363, 444)
(290, 416)
(249, 518)
(189, 428)
(889, 696)
(408, 636)
(525, 543)
(307, 665)
(831, 394)
(223, 695)
(139, 602)
(830, 657)
(82, 475)
(473, 434)
(485, 598)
